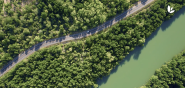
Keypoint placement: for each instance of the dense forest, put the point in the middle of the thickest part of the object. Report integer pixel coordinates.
(79, 64)
(23, 26)
(170, 75)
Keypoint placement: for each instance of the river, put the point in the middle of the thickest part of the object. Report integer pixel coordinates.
(136, 69)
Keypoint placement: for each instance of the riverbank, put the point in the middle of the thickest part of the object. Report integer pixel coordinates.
(99, 54)
(138, 67)
(170, 75)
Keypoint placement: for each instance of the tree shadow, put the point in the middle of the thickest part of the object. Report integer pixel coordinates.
(143, 1)
(137, 51)
(170, 21)
(29, 51)
(49, 42)
(105, 25)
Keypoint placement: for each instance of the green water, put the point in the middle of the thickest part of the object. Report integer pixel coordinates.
(167, 41)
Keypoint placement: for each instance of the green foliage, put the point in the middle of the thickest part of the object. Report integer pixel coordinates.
(79, 64)
(1, 5)
(32, 23)
(170, 75)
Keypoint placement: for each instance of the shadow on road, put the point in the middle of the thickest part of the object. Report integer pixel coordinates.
(143, 2)
(136, 52)
(75, 36)
(28, 51)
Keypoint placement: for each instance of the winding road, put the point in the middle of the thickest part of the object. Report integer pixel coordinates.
(46, 43)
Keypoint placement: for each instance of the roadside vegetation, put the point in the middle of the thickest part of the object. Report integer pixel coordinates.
(79, 64)
(22, 26)
(170, 75)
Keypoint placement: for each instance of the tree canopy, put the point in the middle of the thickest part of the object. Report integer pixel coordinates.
(34, 23)
(170, 75)
(79, 64)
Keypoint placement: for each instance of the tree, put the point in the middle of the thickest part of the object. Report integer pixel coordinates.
(12, 39)
(5, 42)
(28, 9)
(60, 85)
(50, 8)
(37, 39)
(44, 15)
(26, 31)
(2, 35)
(102, 18)
(58, 16)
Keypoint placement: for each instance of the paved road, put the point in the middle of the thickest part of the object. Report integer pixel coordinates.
(46, 43)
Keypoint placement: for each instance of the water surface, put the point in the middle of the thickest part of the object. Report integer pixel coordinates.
(136, 69)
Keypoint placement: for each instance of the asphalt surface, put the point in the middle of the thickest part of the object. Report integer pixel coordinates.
(46, 43)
